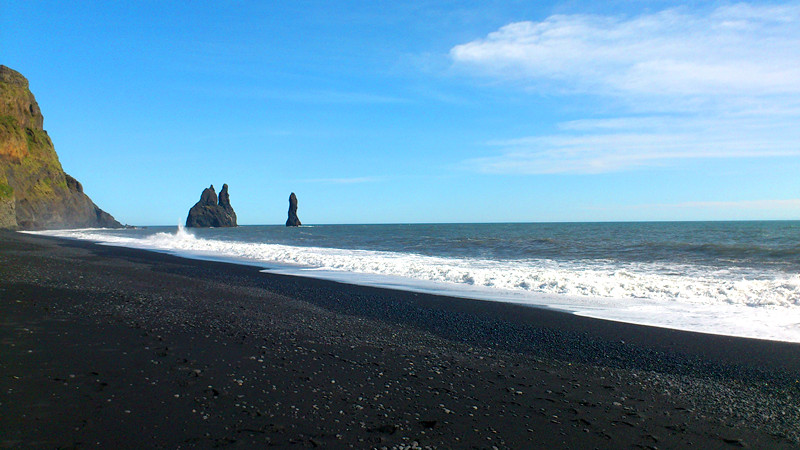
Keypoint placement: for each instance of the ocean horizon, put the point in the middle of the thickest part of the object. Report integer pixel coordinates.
(738, 278)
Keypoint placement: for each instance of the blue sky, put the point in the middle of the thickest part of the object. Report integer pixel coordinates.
(433, 111)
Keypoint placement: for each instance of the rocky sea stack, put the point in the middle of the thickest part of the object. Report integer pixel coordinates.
(293, 220)
(210, 212)
(35, 193)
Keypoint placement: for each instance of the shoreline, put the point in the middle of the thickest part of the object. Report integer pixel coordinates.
(690, 299)
(307, 332)
(747, 350)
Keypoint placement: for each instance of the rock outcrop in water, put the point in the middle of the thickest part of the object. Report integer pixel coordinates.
(35, 193)
(210, 212)
(293, 220)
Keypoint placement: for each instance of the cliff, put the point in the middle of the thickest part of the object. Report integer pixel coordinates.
(209, 212)
(35, 193)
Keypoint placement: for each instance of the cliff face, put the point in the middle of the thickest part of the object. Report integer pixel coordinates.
(208, 212)
(35, 193)
(8, 212)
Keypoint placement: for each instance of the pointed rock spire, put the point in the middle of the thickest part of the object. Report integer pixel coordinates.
(293, 220)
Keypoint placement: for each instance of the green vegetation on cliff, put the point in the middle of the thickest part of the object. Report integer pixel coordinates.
(31, 161)
(6, 191)
(13, 144)
(8, 215)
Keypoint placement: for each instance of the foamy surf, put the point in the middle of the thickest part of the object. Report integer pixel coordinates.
(732, 301)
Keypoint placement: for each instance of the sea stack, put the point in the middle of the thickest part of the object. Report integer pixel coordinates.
(225, 204)
(293, 220)
(35, 193)
(209, 212)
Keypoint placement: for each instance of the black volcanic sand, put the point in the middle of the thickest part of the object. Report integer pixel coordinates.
(131, 349)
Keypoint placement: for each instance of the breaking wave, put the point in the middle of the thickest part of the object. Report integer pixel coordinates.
(581, 278)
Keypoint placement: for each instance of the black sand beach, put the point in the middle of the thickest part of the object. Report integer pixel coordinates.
(120, 348)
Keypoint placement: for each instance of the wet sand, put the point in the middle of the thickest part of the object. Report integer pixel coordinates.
(129, 349)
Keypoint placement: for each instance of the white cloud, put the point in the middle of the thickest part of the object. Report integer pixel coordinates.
(740, 49)
(721, 84)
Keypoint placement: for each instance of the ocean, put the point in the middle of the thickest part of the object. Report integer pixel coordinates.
(731, 278)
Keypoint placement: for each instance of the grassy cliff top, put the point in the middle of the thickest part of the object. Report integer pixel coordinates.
(17, 101)
(11, 76)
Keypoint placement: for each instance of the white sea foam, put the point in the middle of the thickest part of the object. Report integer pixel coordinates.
(693, 298)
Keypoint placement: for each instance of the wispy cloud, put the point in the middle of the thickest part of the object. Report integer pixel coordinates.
(336, 97)
(739, 49)
(779, 209)
(597, 146)
(788, 205)
(354, 180)
(314, 96)
(719, 84)
(792, 203)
